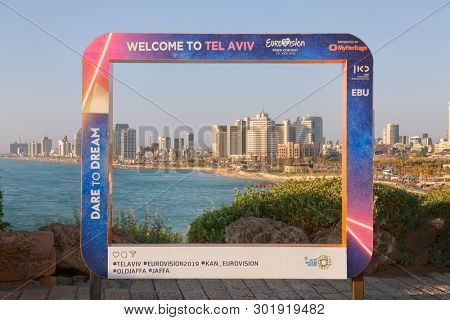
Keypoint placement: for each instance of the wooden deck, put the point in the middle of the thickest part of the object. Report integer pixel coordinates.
(432, 286)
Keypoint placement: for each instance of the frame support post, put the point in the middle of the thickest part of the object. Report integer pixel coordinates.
(358, 287)
(95, 287)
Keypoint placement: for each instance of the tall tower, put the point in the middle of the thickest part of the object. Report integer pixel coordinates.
(219, 140)
(391, 134)
(309, 129)
(128, 144)
(261, 142)
(117, 135)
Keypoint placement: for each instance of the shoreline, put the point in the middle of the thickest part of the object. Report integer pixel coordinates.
(223, 172)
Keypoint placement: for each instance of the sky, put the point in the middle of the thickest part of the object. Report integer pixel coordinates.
(40, 79)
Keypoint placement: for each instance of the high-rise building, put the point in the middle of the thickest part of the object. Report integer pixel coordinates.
(34, 149)
(63, 147)
(176, 143)
(241, 136)
(261, 137)
(18, 148)
(232, 140)
(219, 141)
(164, 143)
(181, 143)
(117, 136)
(309, 130)
(288, 131)
(128, 144)
(391, 134)
(189, 141)
(46, 146)
(77, 144)
(279, 133)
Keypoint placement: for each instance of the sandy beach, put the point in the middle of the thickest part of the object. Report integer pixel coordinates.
(224, 172)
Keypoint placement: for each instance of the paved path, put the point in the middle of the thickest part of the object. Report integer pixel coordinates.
(432, 286)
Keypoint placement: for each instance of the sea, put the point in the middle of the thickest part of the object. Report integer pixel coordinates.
(37, 193)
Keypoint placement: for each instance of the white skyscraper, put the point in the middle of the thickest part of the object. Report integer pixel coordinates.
(309, 130)
(218, 141)
(391, 134)
(34, 149)
(261, 137)
(63, 147)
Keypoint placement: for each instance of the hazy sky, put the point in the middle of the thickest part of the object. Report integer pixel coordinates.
(40, 79)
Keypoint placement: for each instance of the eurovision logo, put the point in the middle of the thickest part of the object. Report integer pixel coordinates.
(322, 262)
(285, 46)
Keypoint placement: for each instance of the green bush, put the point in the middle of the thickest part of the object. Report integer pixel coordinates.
(437, 204)
(151, 230)
(396, 210)
(310, 205)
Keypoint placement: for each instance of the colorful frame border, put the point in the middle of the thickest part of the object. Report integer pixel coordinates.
(357, 78)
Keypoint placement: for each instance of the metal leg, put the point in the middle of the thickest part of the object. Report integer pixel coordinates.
(358, 287)
(95, 287)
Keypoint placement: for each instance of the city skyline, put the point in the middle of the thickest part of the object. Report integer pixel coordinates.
(258, 136)
(44, 83)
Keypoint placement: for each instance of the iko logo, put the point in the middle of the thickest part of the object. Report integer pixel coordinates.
(358, 69)
(360, 92)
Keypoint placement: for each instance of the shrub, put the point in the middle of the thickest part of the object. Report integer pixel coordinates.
(310, 205)
(151, 230)
(437, 204)
(396, 210)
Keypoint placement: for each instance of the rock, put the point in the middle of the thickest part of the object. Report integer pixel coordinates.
(262, 230)
(384, 253)
(419, 241)
(67, 245)
(331, 235)
(26, 255)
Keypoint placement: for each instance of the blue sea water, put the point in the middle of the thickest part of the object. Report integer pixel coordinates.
(38, 193)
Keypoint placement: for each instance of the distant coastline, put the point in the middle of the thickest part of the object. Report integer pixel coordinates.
(224, 172)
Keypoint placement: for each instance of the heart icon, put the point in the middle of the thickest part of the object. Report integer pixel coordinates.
(116, 254)
(285, 42)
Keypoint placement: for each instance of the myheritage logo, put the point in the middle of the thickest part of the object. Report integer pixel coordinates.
(322, 262)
